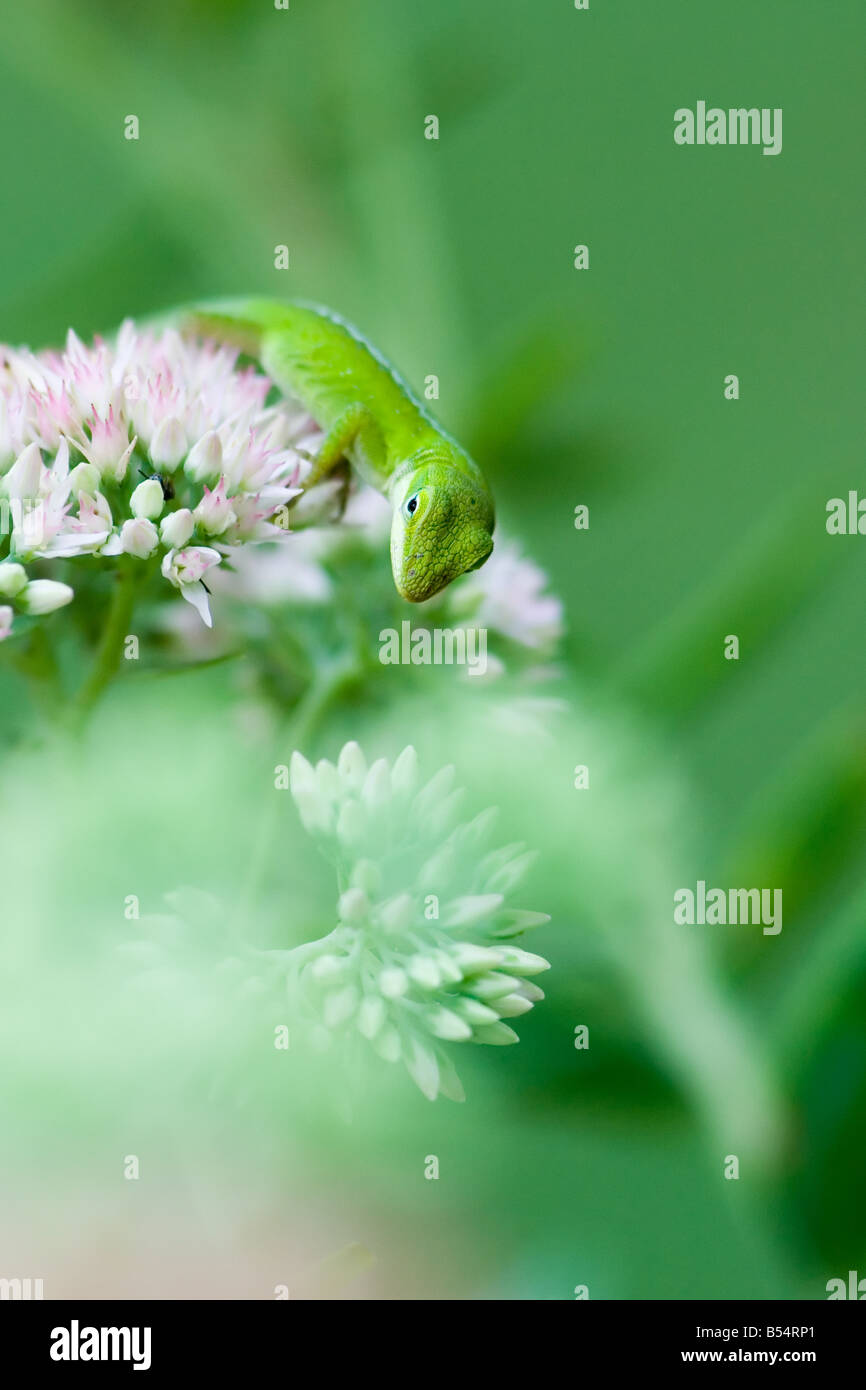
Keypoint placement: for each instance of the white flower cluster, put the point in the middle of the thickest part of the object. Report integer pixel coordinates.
(422, 955)
(507, 596)
(149, 446)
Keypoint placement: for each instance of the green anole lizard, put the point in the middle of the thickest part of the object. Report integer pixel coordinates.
(442, 510)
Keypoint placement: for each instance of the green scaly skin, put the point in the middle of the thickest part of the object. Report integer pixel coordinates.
(442, 508)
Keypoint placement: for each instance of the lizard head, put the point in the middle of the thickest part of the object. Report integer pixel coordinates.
(442, 527)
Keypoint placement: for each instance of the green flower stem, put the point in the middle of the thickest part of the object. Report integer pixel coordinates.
(323, 691)
(327, 687)
(110, 650)
(37, 663)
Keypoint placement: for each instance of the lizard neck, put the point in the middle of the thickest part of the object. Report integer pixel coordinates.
(441, 453)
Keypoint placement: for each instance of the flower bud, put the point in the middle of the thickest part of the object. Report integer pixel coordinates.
(340, 1006)
(13, 578)
(315, 809)
(352, 766)
(443, 1023)
(214, 512)
(376, 790)
(497, 1035)
(84, 478)
(351, 823)
(393, 982)
(168, 445)
(371, 1016)
(474, 959)
(512, 1005)
(425, 972)
(354, 906)
(423, 1068)
(177, 527)
(531, 992)
(493, 986)
(139, 537)
(205, 459)
(328, 780)
(404, 774)
(476, 1013)
(148, 500)
(43, 596)
(522, 962)
(328, 967)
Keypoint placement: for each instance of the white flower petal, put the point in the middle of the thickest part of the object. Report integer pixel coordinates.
(196, 594)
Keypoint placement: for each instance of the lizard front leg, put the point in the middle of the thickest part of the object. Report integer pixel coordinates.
(355, 431)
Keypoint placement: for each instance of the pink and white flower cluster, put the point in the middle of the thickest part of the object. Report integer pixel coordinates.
(151, 445)
(508, 596)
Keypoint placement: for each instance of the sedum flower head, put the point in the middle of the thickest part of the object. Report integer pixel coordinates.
(423, 954)
(148, 445)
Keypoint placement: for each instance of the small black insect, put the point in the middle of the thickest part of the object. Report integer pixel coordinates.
(165, 483)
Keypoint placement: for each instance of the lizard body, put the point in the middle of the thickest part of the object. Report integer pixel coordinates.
(442, 510)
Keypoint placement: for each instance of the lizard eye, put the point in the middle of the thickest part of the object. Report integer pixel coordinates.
(412, 504)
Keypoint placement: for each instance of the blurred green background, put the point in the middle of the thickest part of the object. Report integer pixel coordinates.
(260, 127)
